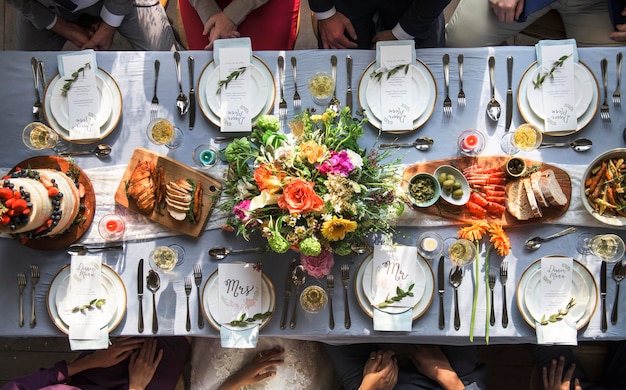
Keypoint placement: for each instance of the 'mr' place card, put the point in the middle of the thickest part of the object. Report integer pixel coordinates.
(396, 82)
(240, 291)
(393, 266)
(236, 84)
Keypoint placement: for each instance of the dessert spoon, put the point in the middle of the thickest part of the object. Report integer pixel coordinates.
(579, 145)
(101, 151)
(182, 101)
(619, 272)
(422, 144)
(220, 252)
(493, 107)
(154, 283)
(456, 277)
(80, 249)
(535, 242)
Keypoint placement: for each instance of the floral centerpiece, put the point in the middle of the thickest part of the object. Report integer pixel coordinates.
(314, 190)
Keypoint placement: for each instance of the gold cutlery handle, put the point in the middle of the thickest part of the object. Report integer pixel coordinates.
(33, 316)
(505, 313)
(188, 323)
(347, 321)
(200, 316)
(140, 324)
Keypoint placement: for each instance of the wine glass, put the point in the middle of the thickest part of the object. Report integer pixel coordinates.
(37, 136)
(313, 299)
(321, 86)
(608, 247)
(430, 245)
(165, 258)
(160, 131)
(460, 251)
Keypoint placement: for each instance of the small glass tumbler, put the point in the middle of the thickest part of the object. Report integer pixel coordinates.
(321, 86)
(111, 227)
(160, 131)
(313, 299)
(471, 142)
(37, 136)
(205, 156)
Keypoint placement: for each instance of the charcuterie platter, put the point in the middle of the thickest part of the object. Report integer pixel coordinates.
(540, 193)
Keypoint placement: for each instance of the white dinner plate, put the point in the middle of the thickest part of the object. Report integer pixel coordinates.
(584, 292)
(210, 304)
(427, 92)
(583, 91)
(112, 283)
(363, 297)
(530, 116)
(267, 87)
(419, 103)
(109, 125)
(259, 88)
(60, 110)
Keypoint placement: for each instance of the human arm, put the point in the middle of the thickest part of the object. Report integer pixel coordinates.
(380, 371)
(143, 365)
(112, 15)
(553, 378)
(40, 378)
(620, 34)
(433, 363)
(507, 11)
(416, 22)
(117, 352)
(333, 26)
(262, 366)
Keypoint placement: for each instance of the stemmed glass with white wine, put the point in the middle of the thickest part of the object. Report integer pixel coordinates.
(459, 251)
(608, 247)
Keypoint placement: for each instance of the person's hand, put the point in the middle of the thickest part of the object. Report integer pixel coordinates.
(380, 371)
(219, 26)
(72, 32)
(431, 362)
(120, 350)
(102, 38)
(332, 30)
(262, 366)
(553, 378)
(507, 11)
(620, 34)
(143, 364)
(385, 35)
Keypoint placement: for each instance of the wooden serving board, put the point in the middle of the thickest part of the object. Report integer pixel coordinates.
(174, 170)
(460, 213)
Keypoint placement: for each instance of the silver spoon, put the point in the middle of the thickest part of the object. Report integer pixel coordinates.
(493, 107)
(456, 277)
(80, 249)
(619, 272)
(298, 277)
(37, 106)
(421, 144)
(154, 283)
(182, 101)
(334, 103)
(579, 144)
(101, 151)
(220, 253)
(535, 242)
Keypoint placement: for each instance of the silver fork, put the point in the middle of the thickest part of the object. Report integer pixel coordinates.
(492, 284)
(345, 277)
(187, 293)
(34, 279)
(21, 284)
(330, 284)
(504, 275)
(604, 109)
(197, 276)
(297, 102)
(154, 107)
(461, 98)
(447, 103)
(282, 104)
(617, 98)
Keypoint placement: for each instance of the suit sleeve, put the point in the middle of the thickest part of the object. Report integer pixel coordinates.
(420, 16)
(321, 5)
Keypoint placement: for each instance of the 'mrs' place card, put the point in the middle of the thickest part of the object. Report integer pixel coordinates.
(240, 294)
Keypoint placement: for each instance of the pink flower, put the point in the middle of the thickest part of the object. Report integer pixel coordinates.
(338, 164)
(241, 210)
(320, 265)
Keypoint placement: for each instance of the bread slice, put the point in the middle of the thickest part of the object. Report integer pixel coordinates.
(535, 178)
(551, 189)
(517, 201)
(534, 206)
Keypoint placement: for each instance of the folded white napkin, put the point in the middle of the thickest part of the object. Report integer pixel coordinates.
(557, 333)
(230, 43)
(232, 337)
(549, 42)
(401, 322)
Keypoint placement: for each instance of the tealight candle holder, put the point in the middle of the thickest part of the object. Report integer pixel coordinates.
(111, 227)
(471, 142)
(205, 156)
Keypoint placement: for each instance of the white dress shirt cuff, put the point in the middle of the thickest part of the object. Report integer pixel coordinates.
(110, 18)
(54, 21)
(325, 14)
(399, 33)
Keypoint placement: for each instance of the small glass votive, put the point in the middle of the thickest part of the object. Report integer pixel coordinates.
(163, 258)
(471, 142)
(321, 86)
(160, 131)
(205, 156)
(313, 299)
(37, 136)
(111, 227)
(430, 245)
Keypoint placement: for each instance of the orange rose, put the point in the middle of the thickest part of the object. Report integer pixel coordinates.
(299, 197)
(312, 151)
(268, 178)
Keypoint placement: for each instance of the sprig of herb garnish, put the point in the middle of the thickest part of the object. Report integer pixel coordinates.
(559, 315)
(233, 76)
(377, 75)
(92, 305)
(400, 295)
(557, 64)
(68, 82)
(242, 321)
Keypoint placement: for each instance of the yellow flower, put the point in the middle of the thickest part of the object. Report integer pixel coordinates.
(336, 228)
(316, 117)
(500, 239)
(312, 151)
(475, 231)
(297, 128)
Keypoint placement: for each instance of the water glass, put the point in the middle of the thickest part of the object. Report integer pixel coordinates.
(163, 258)
(460, 251)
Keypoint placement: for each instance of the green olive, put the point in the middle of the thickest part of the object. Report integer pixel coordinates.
(456, 185)
(457, 194)
(451, 177)
(442, 177)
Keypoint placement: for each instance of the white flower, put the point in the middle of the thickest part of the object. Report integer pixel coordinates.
(355, 159)
(263, 199)
(243, 188)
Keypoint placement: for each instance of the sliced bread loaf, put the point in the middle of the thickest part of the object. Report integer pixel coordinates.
(534, 206)
(517, 201)
(551, 188)
(535, 178)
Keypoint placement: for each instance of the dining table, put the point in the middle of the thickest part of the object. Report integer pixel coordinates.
(133, 72)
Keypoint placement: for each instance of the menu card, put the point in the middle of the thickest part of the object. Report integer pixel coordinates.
(85, 286)
(558, 87)
(240, 291)
(395, 88)
(78, 70)
(235, 112)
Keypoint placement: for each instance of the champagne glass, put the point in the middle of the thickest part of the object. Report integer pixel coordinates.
(608, 247)
(460, 251)
(37, 136)
(313, 299)
(160, 131)
(165, 258)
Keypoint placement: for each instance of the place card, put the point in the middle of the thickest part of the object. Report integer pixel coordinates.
(558, 87)
(393, 267)
(240, 291)
(78, 72)
(85, 286)
(236, 84)
(395, 88)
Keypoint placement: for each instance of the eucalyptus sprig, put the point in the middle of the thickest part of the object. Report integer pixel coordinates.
(557, 64)
(68, 82)
(377, 75)
(559, 315)
(92, 305)
(233, 76)
(400, 295)
(242, 321)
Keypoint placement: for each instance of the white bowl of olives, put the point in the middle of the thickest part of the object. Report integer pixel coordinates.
(454, 186)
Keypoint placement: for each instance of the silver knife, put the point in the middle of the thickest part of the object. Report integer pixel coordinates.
(140, 294)
(441, 287)
(288, 283)
(509, 93)
(192, 95)
(604, 325)
(349, 87)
